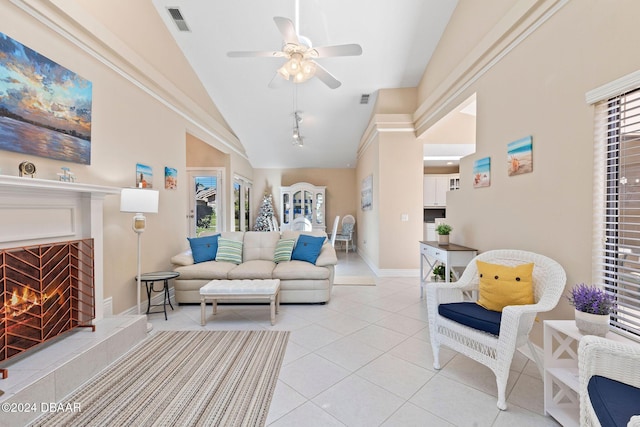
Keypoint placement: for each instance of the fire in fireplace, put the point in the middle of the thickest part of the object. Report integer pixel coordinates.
(45, 290)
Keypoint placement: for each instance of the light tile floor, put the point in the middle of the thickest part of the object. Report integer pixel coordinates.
(364, 359)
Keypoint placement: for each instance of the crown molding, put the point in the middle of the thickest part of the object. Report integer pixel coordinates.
(384, 123)
(523, 19)
(127, 64)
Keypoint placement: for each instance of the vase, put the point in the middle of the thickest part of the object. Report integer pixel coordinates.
(443, 239)
(592, 324)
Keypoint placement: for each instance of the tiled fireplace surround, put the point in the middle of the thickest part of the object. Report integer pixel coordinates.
(34, 212)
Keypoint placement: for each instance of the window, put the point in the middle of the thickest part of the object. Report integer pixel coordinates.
(617, 192)
(241, 203)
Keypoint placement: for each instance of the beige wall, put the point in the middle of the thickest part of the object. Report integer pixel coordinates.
(340, 189)
(129, 126)
(537, 89)
(400, 181)
(369, 221)
(390, 153)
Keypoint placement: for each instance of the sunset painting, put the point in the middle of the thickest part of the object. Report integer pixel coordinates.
(45, 109)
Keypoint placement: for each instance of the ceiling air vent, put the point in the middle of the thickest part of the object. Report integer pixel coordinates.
(178, 19)
(364, 99)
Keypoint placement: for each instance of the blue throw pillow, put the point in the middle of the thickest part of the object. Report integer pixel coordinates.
(308, 248)
(204, 248)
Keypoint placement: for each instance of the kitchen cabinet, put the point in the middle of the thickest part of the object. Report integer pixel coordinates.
(435, 190)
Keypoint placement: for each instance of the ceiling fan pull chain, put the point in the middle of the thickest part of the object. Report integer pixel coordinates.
(297, 16)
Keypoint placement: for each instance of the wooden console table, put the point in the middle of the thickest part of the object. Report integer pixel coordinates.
(450, 255)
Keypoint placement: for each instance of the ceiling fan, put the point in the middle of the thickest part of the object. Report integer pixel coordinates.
(301, 55)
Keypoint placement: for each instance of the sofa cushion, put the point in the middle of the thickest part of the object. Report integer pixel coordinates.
(207, 270)
(204, 248)
(284, 249)
(229, 250)
(293, 270)
(327, 255)
(472, 315)
(255, 269)
(259, 245)
(307, 248)
(183, 258)
(613, 402)
(294, 234)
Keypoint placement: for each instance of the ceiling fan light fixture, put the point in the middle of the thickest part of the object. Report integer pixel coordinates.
(284, 73)
(307, 70)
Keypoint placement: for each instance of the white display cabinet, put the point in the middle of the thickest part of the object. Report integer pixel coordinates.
(303, 200)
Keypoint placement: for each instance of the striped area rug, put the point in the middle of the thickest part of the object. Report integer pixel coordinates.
(183, 378)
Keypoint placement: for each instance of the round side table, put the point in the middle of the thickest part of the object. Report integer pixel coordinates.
(149, 279)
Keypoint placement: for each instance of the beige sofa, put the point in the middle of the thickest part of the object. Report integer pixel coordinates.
(300, 281)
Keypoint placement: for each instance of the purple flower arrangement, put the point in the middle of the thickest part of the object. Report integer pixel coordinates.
(591, 299)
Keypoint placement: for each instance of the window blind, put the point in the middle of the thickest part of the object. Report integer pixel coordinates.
(617, 191)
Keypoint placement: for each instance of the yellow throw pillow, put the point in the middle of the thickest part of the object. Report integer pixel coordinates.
(501, 285)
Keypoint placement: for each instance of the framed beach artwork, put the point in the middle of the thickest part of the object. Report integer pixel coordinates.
(482, 172)
(144, 176)
(366, 193)
(45, 109)
(170, 178)
(520, 156)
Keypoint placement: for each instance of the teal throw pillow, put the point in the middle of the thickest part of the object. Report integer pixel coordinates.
(229, 250)
(308, 248)
(204, 248)
(284, 248)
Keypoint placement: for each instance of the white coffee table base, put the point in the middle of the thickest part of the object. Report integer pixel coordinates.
(255, 289)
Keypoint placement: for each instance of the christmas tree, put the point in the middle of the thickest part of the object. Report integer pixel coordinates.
(263, 222)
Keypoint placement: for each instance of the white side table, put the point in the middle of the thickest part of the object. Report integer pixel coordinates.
(450, 255)
(561, 375)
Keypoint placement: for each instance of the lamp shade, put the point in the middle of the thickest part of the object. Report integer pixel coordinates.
(139, 200)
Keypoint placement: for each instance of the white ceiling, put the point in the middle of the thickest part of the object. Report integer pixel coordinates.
(397, 39)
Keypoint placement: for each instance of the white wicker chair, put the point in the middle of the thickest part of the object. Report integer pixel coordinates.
(610, 359)
(493, 351)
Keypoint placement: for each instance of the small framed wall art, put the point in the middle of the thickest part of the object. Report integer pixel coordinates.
(482, 172)
(366, 193)
(520, 156)
(144, 176)
(170, 178)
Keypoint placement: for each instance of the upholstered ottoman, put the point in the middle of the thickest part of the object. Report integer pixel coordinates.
(252, 289)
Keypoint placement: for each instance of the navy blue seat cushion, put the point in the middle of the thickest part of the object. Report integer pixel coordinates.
(472, 315)
(613, 402)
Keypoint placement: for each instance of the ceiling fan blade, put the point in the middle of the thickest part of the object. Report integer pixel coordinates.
(252, 54)
(326, 77)
(287, 29)
(276, 82)
(339, 50)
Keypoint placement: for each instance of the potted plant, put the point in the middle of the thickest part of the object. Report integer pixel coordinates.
(439, 271)
(443, 231)
(592, 307)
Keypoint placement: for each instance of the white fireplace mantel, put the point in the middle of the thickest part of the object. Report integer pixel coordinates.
(37, 211)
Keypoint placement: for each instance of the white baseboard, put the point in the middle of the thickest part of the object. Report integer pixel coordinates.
(107, 306)
(392, 272)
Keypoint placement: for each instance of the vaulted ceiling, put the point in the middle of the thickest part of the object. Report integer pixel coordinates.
(397, 39)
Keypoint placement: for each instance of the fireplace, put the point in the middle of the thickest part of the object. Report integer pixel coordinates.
(45, 290)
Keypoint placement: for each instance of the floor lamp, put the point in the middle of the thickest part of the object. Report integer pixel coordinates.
(139, 201)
